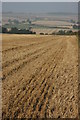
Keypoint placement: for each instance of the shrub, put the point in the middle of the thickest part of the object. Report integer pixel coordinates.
(41, 33)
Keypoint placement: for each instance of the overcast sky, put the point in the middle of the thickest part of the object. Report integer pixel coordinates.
(39, 0)
(34, 7)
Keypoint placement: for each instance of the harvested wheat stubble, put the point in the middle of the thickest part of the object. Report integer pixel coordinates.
(40, 76)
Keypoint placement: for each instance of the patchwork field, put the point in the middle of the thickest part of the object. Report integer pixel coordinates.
(53, 23)
(40, 76)
(49, 30)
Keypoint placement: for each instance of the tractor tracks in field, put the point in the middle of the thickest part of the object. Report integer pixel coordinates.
(21, 62)
(18, 50)
(7, 63)
(24, 46)
(35, 84)
(40, 99)
(40, 81)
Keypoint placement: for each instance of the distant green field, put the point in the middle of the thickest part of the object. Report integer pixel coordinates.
(19, 26)
(27, 26)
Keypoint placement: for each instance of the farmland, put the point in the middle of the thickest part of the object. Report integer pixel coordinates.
(40, 76)
(52, 23)
(42, 22)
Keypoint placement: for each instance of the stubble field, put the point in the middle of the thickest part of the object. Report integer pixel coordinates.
(40, 76)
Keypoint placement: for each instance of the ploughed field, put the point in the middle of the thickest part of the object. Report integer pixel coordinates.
(40, 76)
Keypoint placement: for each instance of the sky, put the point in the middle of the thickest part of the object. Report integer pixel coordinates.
(44, 7)
(40, 0)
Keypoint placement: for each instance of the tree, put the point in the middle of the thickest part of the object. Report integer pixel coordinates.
(46, 33)
(16, 21)
(69, 32)
(72, 21)
(10, 21)
(28, 20)
(61, 32)
(41, 33)
(14, 30)
(4, 30)
(75, 26)
(17, 31)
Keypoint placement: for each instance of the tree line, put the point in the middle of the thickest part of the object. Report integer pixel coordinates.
(24, 31)
(61, 32)
(17, 31)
